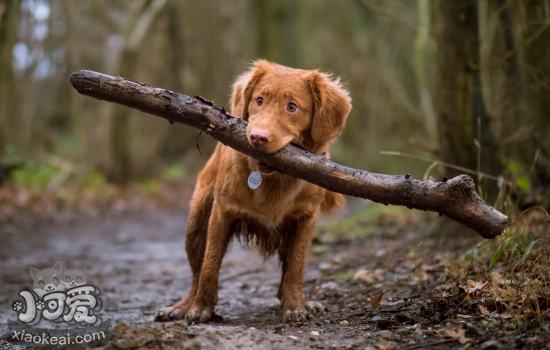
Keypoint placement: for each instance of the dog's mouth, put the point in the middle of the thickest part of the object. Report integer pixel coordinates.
(264, 168)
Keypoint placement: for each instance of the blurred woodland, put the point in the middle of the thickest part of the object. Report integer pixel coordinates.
(461, 82)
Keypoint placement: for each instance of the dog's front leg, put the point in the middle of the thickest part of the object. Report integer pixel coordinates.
(219, 236)
(294, 263)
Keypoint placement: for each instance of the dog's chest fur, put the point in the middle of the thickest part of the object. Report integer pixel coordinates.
(278, 197)
(264, 215)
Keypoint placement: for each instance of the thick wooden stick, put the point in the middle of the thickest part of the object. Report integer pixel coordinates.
(455, 198)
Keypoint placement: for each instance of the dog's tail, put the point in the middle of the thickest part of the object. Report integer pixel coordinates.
(332, 202)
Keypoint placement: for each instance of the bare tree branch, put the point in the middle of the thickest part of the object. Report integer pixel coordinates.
(143, 23)
(455, 198)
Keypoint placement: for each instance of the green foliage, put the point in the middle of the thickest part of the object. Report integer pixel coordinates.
(11, 155)
(518, 173)
(36, 178)
(511, 245)
(150, 187)
(344, 276)
(471, 255)
(357, 224)
(491, 322)
(94, 181)
(173, 172)
(319, 250)
(364, 221)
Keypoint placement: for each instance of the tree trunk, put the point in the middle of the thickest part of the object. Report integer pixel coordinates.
(9, 11)
(537, 40)
(277, 32)
(119, 168)
(420, 64)
(462, 118)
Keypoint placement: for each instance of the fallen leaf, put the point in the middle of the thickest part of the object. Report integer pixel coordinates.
(474, 289)
(459, 333)
(385, 344)
(476, 286)
(375, 301)
(529, 315)
(366, 276)
(455, 333)
(445, 287)
(497, 278)
(455, 272)
(464, 316)
(483, 310)
(327, 286)
(506, 315)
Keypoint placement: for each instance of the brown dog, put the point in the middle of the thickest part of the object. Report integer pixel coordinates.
(281, 105)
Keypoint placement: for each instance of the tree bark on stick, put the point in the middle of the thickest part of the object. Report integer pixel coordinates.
(455, 198)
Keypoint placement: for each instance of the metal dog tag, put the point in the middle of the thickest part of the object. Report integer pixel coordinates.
(255, 180)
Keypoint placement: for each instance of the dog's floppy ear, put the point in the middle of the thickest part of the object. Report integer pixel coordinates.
(331, 107)
(243, 87)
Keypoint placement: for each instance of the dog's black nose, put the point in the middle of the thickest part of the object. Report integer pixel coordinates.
(259, 138)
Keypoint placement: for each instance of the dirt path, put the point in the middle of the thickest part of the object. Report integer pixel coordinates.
(139, 262)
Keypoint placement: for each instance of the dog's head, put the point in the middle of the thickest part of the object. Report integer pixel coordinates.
(284, 105)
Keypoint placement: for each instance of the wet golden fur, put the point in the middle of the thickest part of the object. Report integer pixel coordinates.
(280, 215)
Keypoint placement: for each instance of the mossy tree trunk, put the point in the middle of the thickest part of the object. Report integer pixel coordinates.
(466, 138)
(536, 39)
(465, 134)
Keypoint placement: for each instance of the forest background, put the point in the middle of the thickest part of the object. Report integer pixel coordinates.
(439, 84)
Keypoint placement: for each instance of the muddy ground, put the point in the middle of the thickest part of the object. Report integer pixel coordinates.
(138, 261)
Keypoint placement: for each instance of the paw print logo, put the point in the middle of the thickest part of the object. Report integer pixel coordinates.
(39, 305)
(17, 306)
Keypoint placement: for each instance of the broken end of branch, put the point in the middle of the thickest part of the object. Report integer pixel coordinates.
(489, 223)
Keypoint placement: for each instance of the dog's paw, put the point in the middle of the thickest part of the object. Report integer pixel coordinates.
(314, 306)
(169, 313)
(296, 315)
(199, 314)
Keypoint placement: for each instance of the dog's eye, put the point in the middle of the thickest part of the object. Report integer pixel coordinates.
(292, 107)
(79, 278)
(68, 278)
(40, 283)
(260, 101)
(55, 279)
